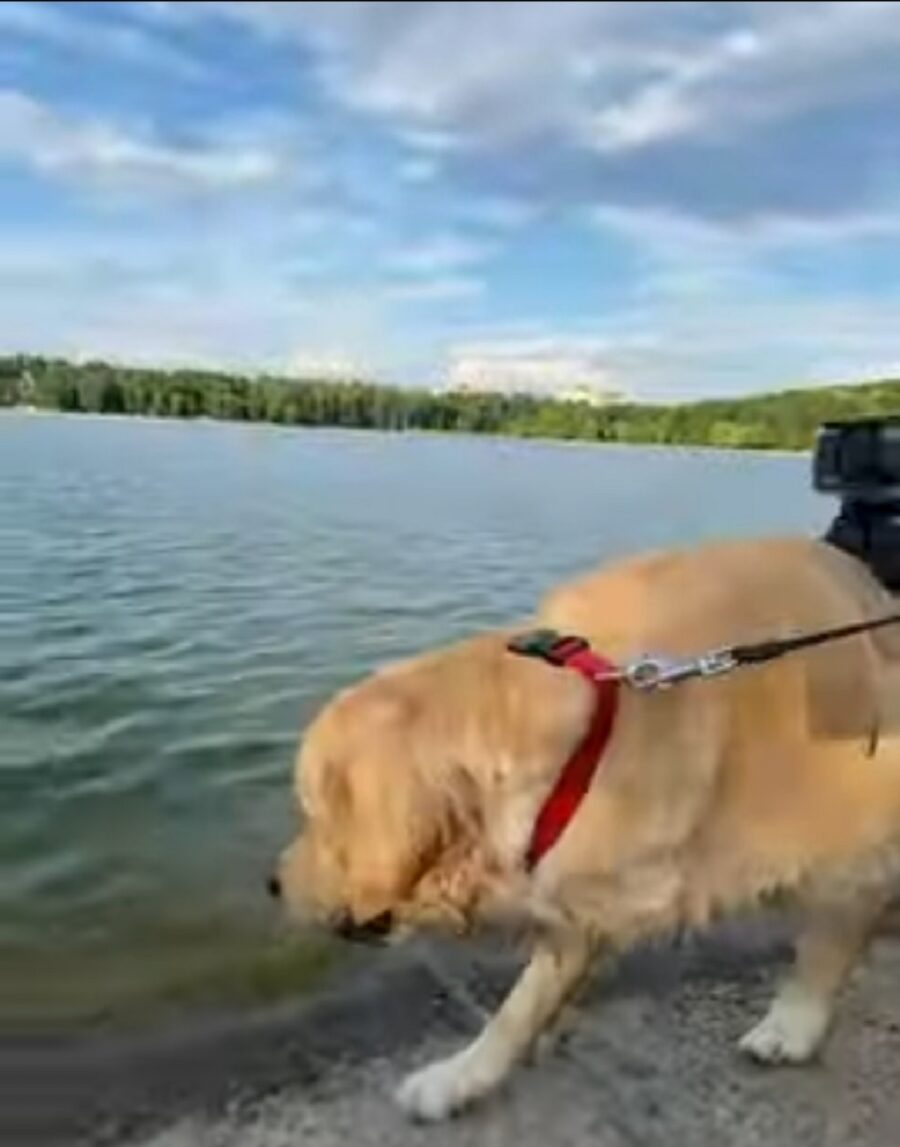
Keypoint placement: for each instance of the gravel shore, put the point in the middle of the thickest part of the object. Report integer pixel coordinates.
(649, 1061)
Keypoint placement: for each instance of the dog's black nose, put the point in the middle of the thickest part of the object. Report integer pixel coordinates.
(368, 932)
(273, 885)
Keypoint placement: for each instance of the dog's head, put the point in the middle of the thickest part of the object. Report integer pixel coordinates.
(418, 785)
(390, 824)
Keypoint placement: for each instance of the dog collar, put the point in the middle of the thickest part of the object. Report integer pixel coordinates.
(564, 799)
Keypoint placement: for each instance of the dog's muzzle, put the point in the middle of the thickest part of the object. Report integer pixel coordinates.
(372, 931)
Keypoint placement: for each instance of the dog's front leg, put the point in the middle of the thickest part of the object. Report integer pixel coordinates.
(444, 1087)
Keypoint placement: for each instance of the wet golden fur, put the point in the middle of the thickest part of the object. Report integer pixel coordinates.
(421, 784)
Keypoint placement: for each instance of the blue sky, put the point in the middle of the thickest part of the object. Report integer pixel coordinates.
(668, 199)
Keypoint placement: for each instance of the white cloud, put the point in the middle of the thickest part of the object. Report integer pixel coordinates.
(227, 296)
(433, 290)
(100, 152)
(439, 73)
(797, 56)
(665, 108)
(707, 128)
(172, 299)
(221, 299)
(739, 345)
(439, 254)
(774, 229)
(618, 77)
(539, 365)
(672, 349)
(432, 141)
(725, 317)
(161, 11)
(419, 169)
(673, 239)
(497, 212)
(333, 364)
(548, 101)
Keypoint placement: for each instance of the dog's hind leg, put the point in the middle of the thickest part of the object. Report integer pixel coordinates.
(556, 968)
(833, 936)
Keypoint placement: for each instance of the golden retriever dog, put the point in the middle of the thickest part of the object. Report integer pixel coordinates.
(420, 786)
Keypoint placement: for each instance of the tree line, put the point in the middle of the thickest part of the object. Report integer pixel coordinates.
(785, 420)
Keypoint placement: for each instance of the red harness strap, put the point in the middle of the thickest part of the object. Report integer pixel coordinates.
(574, 781)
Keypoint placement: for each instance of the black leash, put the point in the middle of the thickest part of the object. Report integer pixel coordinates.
(761, 651)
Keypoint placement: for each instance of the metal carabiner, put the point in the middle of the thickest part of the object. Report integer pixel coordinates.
(648, 673)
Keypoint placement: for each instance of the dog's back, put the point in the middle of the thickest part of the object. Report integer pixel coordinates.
(789, 769)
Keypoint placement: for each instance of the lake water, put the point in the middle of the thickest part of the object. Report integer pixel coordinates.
(176, 600)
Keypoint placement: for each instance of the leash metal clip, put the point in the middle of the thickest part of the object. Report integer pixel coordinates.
(648, 673)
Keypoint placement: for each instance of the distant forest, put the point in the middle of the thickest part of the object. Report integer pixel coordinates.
(786, 420)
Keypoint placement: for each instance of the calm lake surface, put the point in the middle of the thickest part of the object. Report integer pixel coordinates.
(177, 599)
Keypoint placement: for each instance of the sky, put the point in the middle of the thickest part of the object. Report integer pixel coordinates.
(669, 200)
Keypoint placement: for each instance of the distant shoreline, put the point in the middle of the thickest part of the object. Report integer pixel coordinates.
(413, 431)
(786, 420)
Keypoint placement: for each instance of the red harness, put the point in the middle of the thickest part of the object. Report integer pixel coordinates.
(577, 773)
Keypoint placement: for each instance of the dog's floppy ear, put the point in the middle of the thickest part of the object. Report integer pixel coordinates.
(454, 864)
(395, 803)
(423, 853)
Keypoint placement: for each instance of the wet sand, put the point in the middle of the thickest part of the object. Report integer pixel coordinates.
(650, 1059)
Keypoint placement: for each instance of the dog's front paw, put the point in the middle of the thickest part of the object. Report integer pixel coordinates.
(443, 1088)
(791, 1032)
